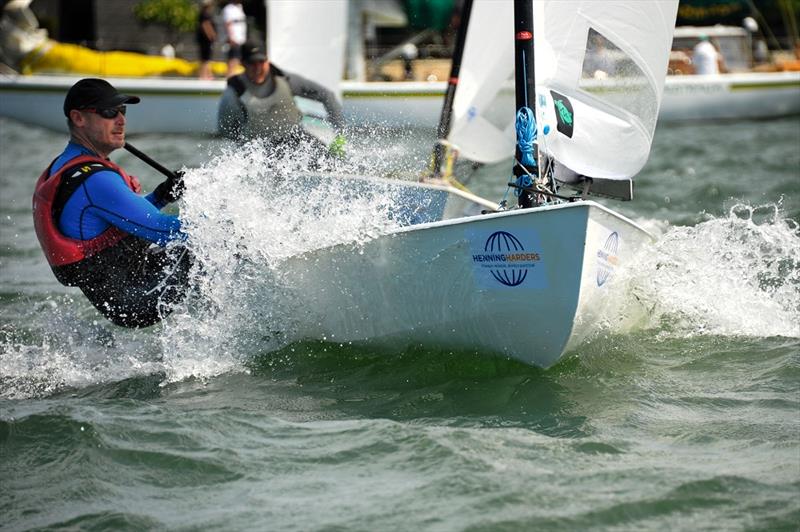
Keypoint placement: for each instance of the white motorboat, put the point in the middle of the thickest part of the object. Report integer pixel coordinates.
(189, 106)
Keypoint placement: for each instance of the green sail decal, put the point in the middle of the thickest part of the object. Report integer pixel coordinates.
(565, 115)
(563, 112)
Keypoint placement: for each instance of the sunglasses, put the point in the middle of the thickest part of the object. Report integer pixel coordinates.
(107, 113)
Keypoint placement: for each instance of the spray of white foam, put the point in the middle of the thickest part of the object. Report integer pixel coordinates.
(71, 352)
(247, 211)
(737, 275)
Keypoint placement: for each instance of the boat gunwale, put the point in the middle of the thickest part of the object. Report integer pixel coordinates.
(588, 204)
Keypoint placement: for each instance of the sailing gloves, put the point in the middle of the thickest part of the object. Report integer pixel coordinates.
(171, 189)
(337, 147)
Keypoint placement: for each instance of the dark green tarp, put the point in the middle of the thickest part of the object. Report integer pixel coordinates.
(710, 12)
(731, 13)
(429, 14)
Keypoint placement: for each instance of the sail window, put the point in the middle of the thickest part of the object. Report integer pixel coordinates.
(612, 76)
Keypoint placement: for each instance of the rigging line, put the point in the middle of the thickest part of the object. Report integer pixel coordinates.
(525, 74)
(533, 190)
(541, 144)
(534, 179)
(450, 152)
(526, 135)
(765, 25)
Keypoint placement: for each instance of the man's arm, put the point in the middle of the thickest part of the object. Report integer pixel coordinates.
(208, 30)
(111, 200)
(310, 89)
(721, 66)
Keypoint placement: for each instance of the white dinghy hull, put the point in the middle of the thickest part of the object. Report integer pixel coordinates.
(524, 284)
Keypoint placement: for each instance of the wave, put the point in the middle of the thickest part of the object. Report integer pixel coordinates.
(737, 275)
(248, 210)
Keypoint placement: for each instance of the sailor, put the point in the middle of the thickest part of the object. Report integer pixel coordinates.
(260, 102)
(705, 57)
(235, 21)
(95, 229)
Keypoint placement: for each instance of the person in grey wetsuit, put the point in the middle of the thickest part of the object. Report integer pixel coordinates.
(260, 102)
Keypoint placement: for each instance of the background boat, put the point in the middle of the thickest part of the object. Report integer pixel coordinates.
(179, 105)
(184, 105)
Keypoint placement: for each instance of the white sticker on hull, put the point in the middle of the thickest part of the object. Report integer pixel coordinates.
(608, 257)
(510, 260)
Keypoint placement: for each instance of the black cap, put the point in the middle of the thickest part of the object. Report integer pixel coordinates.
(93, 92)
(253, 53)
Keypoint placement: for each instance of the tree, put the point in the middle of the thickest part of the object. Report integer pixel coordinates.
(177, 16)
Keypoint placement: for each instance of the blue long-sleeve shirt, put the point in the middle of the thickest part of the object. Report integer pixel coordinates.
(104, 199)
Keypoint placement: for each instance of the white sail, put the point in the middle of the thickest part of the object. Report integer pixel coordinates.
(480, 128)
(308, 38)
(600, 69)
(598, 64)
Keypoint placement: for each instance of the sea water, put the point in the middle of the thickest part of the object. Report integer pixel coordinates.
(683, 414)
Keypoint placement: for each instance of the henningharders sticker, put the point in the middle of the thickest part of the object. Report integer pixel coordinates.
(507, 259)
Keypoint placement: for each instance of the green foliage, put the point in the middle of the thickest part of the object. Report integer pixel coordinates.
(179, 15)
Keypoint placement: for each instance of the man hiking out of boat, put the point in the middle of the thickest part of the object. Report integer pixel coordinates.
(96, 231)
(259, 103)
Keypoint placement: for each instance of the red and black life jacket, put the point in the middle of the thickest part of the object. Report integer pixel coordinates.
(65, 254)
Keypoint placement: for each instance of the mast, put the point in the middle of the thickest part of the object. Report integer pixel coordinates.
(790, 22)
(455, 69)
(526, 151)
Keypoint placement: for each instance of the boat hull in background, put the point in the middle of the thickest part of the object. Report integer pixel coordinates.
(730, 97)
(189, 106)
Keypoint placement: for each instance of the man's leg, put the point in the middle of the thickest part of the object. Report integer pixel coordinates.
(146, 291)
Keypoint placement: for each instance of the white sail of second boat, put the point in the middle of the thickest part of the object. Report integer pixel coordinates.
(309, 38)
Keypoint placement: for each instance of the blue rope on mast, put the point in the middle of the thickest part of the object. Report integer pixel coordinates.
(526, 139)
(526, 135)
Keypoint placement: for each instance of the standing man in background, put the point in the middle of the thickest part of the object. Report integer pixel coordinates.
(236, 32)
(206, 35)
(706, 59)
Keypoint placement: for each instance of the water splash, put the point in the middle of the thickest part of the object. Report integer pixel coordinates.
(247, 211)
(71, 352)
(735, 275)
